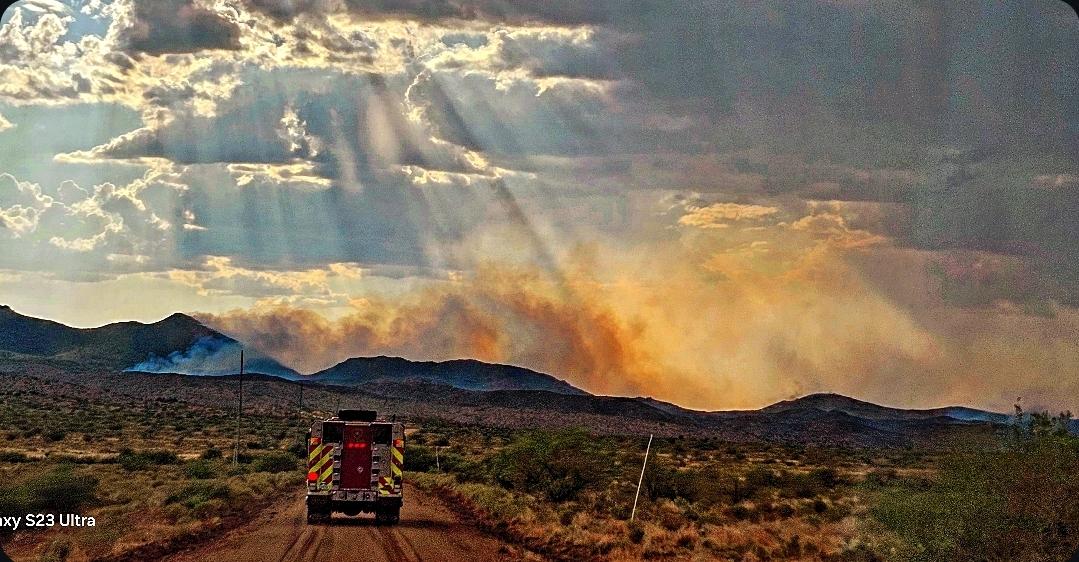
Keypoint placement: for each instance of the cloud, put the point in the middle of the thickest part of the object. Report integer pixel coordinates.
(514, 11)
(174, 26)
(72, 230)
(219, 274)
(720, 215)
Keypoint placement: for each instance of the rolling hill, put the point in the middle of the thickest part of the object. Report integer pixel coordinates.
(178, 344)
(465, 374)
(829, 402)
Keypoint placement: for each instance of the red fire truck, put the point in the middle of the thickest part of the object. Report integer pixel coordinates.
(354, 462)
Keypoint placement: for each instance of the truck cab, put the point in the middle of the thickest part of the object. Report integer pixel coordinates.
(354, 464)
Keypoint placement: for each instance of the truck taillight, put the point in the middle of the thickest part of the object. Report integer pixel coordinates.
(312, 476)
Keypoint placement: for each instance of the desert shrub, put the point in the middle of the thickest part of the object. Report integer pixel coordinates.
(57, 551)
(211, 453)
(495, 501)
(57, 489)
(810, 484)
(277, 461)
(196, 493)
(298, 449)
(741, 512)
(761, 477)
(13, 456)
(199, 469)
(882, 476)
(558, 464)
(664, 480)
(141, 460)
(419, 458)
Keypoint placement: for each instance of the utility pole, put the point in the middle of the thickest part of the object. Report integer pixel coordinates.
(239, 412)
(633, 513)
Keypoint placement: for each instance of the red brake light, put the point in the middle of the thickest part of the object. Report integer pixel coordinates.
(312, 476)
(315, 440)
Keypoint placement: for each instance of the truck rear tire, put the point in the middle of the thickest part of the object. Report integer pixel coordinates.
(388, 515)
(315, 516)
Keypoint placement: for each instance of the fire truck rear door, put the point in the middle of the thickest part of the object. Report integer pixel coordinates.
(356, 458)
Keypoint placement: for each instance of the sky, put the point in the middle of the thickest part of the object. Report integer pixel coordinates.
(719, 204)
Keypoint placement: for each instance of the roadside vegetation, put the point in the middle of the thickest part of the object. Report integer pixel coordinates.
(1013, 502)
(151, 475)
(568, 496)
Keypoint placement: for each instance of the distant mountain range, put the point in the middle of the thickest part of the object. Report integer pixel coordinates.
(180, 344)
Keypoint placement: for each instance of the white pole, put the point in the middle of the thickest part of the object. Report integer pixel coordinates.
(633, 513)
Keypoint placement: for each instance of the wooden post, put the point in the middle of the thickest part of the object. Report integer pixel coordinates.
(633, 513)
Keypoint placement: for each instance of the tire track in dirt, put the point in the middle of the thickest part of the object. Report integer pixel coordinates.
(428, 531)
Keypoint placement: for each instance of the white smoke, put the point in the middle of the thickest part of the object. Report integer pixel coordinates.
(208, 356)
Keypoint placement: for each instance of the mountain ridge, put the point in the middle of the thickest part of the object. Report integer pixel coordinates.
(466, 374)
(177, 342)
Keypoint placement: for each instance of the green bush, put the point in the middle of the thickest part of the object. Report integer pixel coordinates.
(196, 493)
(199, 469)
(58, 489)
(419, 458)
(558, 464)
(211, 453)
(277, 461)
(298, 449)
(141, 460)
(664, 480)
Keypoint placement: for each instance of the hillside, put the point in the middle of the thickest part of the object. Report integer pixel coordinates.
(466, 374)
(828, 402)
(178, 343)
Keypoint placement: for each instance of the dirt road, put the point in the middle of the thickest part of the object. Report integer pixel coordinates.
(427, 531)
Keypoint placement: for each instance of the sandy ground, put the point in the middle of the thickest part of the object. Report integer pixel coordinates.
(427, 531)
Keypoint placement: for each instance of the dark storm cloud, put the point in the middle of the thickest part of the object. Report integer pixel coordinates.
(176, 26)
(516, 11)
